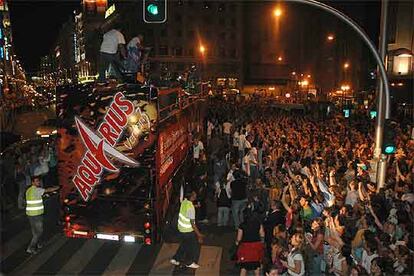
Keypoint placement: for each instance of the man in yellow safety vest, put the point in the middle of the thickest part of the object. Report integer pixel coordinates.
(191, 238)
(35, 210)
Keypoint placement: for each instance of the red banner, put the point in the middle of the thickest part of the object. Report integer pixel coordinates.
(172, 148)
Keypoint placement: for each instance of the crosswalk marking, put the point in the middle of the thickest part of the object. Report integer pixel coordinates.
(123, 260)
(82, 257)
(37, 260)
(162, 265)
(209, 261)
(15, 243)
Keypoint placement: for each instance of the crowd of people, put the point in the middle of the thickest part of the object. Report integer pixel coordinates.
(20, 165)
(302, 192)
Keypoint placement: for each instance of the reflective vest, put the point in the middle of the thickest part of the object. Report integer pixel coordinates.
(34, 205)
(184, 224)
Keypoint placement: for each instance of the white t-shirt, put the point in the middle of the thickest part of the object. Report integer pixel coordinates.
(196, 149)
(227, 127)
(236, 139)
(246, 164)
(351, 198)
(292, 257)
(242, 141)
(111, 40)
(210, 128)
(366, 260)
(133, 42)
(253, 156)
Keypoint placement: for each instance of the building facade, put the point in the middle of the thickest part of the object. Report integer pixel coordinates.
(12, 75)
(208, 34)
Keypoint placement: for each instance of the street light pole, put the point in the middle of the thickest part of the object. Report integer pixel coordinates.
(380, 158)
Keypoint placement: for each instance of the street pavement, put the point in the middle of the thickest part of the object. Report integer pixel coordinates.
(67, 256)
(26, 123)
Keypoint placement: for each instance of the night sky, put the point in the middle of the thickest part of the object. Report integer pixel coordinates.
(36, 24)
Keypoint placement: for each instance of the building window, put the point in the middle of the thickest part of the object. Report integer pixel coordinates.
(222, 52)
(179, 51)
(178, 18)
(221, 8)
(222, 36)
(164, 33)
(163, 51)
(207, 20)
(150, 33)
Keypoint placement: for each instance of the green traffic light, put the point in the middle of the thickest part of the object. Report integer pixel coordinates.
(389, 149)
(152, 9)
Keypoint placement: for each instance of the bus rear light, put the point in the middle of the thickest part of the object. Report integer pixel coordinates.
(107, 237)
(81, 233)
(147, 241)
(67, 218)
(129, 239)
(147, 225)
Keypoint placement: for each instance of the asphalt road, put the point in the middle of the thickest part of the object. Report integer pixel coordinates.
(27, 123)
(67, 256)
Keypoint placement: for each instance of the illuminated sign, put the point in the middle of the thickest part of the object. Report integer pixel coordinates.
(346, 113)
(98, 148)
(110, 11)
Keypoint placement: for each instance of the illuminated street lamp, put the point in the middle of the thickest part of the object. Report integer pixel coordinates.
(304, 83)
(279, 58)
(293, 73)
(202, 49)
(345, 87)
(346, 65)
(277, 12)
(309, 76)
(330, 37)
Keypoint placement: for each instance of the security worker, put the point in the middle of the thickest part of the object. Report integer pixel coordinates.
(35, 210)
(191, 238)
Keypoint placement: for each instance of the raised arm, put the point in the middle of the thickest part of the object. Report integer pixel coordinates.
(284, 203)
(377, 221)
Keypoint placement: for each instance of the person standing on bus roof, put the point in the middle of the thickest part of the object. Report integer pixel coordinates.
(113, 45)
(191, 238)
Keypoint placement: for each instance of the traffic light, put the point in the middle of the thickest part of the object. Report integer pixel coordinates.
(155, 11)
(148, 234)
(346, 112)
(388, 140)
